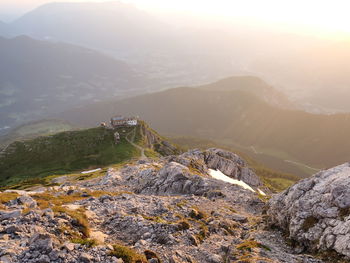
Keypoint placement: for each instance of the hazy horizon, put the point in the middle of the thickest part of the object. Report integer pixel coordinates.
(298, 17)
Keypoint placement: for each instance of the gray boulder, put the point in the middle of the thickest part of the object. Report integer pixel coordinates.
(27, 201)
(316, 211)
(5, 215)
(41, 242)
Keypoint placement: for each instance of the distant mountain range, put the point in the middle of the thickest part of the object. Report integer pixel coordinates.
(38, 78)
(236, 117)
(312, 71)
(164, 51)
(110, 26)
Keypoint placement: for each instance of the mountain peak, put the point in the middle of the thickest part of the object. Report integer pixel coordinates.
(253, 85)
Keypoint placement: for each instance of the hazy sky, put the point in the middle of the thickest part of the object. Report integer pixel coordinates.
(320, 15)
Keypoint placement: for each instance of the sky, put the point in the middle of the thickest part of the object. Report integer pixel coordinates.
(323, 16)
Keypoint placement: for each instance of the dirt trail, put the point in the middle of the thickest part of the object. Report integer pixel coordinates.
(131, 141)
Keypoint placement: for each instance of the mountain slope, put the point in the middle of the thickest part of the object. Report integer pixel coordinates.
(75, 150)
(38, 78)
(236, 117)
(170, 209)
(253, 85)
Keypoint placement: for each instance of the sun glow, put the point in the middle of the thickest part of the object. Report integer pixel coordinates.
(320, 16)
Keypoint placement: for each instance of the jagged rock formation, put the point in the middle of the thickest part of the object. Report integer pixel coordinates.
(156, 142)
(166, 210)
(316, 211)
(217, 159)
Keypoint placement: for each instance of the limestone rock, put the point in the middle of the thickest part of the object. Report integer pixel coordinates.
(111, 177)
(41, 242)
(174, 178)
(316, 211)
(4, 215)
(27, 201)
(217, 159)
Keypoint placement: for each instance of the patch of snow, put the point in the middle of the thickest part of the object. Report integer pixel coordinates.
(220, 176)
(91, 171)
(261, 192)
(72, 206)
(23, 192)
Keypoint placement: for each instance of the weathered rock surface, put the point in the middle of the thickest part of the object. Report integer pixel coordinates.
(217, 159)
(168, 210)
(173, 178)
(27, 201)
(155, 142)
(316, 211)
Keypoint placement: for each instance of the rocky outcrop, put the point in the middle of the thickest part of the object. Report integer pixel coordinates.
(187, 173)
(27, 201)
(156, 142)
(166, 210)
(173, 178)
(217, 159)
(316, 211)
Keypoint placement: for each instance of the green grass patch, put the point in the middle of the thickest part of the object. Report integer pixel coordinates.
(62, 153)
(278, 184)
(249, 245)
(88, 242)
(151, 153)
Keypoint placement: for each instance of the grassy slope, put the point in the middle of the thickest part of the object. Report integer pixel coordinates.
(63, 153)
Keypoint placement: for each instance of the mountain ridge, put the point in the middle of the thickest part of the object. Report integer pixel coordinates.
(253, 85)
(237, 117)
(39, 78)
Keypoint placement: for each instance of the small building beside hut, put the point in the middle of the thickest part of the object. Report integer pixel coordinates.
(116, 137)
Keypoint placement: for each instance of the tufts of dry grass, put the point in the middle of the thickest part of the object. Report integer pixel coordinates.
(79, 217)
(128, 255)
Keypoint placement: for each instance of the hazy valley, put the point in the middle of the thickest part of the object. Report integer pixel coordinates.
(303, 67)
(40, 78)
